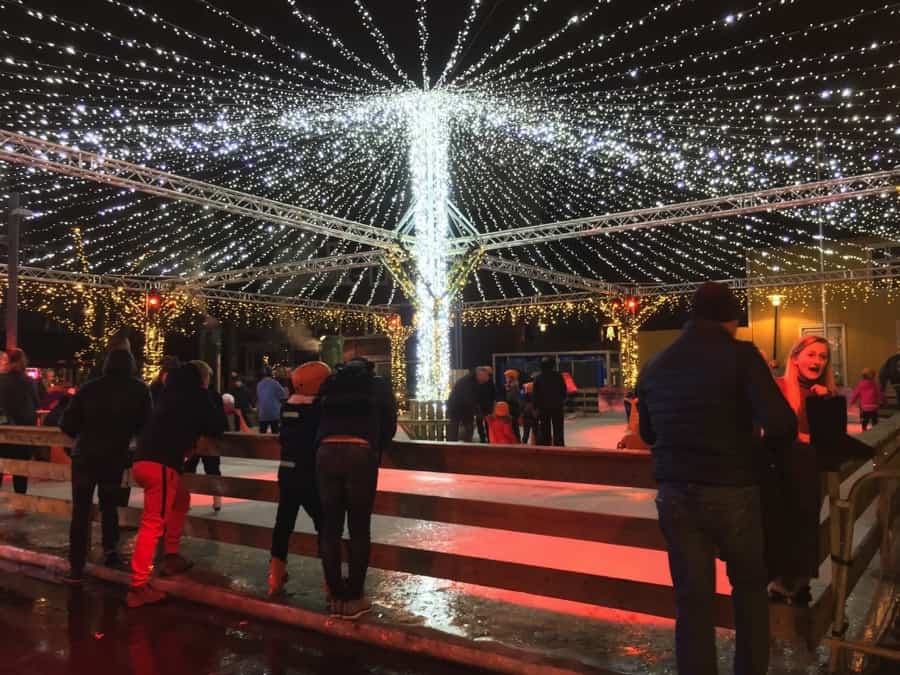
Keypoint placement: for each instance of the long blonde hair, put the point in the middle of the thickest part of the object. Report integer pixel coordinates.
(791, 380)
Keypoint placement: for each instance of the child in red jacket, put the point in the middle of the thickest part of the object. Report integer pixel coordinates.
(870, 398)
(500, 426)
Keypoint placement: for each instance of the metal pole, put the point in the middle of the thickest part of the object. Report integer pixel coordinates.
(821, 243)
(775, 336)
(12, 288)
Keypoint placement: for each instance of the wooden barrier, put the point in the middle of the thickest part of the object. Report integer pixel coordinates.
(628, 469)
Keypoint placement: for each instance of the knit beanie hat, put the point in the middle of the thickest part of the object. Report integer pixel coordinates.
(716, 302)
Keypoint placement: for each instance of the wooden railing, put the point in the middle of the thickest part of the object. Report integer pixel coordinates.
(627, 469)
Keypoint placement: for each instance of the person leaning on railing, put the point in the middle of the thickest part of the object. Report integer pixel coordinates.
(19, 405)
(103, 416)
(184, 413)
(359, 419)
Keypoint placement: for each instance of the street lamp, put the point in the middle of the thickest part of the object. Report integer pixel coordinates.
(776, 301)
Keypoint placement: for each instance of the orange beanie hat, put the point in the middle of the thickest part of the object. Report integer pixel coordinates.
(309, 377)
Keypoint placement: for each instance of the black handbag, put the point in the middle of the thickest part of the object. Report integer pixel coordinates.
(827, 416)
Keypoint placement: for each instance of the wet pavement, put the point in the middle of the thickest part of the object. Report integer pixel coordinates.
(49, 629)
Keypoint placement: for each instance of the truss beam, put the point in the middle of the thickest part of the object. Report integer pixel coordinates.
(889, 270)
(71, 161)
(819, 192)
(514, 268)
(284, 301)
(338, 263)
(111, 281)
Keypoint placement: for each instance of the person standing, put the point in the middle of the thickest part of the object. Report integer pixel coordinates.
(103, 416)
(241, 397)
(486, 395)
(870, 397)
(463, 405)
(269, 396)
(184, 413)
(358, 421)
(19, 404)
(297, 482)
(549, 396)
(889, 374)
(513, 398)
(212, 465)
(701, 403)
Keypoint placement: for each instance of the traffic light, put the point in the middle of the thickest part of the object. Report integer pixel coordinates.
(154, 303)
(632, 304)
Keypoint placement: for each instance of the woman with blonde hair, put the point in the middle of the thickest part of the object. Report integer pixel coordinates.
(794, 485)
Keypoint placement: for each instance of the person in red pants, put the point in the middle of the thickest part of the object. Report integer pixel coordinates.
(184, 413)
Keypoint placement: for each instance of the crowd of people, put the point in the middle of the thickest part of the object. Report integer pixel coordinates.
(738, 456)
(517, 413)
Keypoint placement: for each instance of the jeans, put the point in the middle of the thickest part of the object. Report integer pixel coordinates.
(296, 487)
(106, 476)
(166, 503)
(550, 427)
(529, 428)
(274, 425)
(348, 478)
(468, 429)
(698, 521)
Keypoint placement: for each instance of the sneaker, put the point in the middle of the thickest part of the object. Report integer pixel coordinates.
(217, 503)
(354, 609)
(144, 595)
(174, 563)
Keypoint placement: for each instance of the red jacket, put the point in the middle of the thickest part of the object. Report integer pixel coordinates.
(500, 431)
(869, 395)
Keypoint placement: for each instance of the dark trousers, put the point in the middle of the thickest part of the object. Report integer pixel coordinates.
(274, 425)
(348, 477)
(107, 478)
(482, 428)
(867, 417)
(550, 427)
(529, 428)
(23, 452)
(453, 427)
(211, 465)
(698, 521)
(297, 486)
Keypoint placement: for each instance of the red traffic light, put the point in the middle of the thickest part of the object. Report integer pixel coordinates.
(632, 304)
(154, 301)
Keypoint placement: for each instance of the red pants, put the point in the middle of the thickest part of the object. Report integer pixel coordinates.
(166, 503)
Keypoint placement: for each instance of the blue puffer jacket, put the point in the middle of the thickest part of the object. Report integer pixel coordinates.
(702, 402)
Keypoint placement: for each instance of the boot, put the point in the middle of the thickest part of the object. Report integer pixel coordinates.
(217, 503)
(277, 576)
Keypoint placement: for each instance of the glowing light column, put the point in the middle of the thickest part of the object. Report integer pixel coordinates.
(429, 159)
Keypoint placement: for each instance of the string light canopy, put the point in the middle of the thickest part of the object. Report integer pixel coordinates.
(533, 114)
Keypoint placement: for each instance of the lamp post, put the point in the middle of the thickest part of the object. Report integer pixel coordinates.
(776, 301)
(15, 215)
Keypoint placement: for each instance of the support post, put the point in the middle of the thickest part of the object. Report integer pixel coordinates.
(12, 287)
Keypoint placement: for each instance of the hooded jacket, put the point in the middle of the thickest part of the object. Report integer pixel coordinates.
(185, 412)
(106, 413)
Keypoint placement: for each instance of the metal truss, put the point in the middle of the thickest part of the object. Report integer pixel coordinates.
(336, 263)
(70, 161)
(890, 270)
(514, 268)
(720, 207)
(529, 301)
(283, 301)
(111, 281)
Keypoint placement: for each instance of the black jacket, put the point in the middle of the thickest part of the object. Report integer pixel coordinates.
(700, 401)
(487, 395)
(106, 413)
(185, 412)
(18, 399)
(463, 401)
(299, 427)
(889, 373)
(356, 402)
(549, 391)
